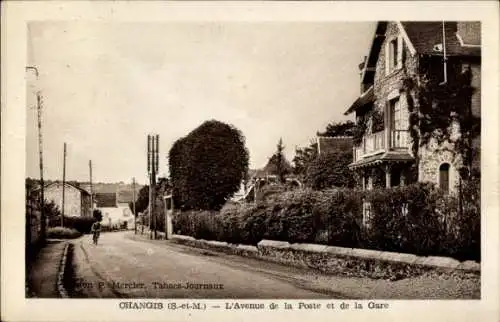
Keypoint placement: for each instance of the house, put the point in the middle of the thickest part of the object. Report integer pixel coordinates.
(384, 155)
(114, 212)
(76, 199)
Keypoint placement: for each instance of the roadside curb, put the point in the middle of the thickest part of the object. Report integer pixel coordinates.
(332, 259)
(60, 275)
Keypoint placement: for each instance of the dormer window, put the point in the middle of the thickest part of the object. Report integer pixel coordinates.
(393, 55)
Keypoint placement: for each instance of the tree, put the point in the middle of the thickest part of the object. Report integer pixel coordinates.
(142, 201)
(303, 157)
(306, 155)
(278, 164)
(338, 129)
(207, 166)
(330, 170)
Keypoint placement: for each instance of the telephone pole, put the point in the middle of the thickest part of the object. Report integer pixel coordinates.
(64, 184)
(39, 106)
(153, 160)
(133, 206)
(91, 190)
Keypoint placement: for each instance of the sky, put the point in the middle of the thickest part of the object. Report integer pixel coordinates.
(105, 86)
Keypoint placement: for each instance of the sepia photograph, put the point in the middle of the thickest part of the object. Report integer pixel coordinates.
(253, 160)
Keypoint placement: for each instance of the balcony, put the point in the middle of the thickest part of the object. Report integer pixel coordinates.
(375, 143)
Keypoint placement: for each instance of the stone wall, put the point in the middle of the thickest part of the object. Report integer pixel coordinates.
(386, 86)
(338, 260)
(432, 157)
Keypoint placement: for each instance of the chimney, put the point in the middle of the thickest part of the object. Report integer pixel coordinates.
(469, 32)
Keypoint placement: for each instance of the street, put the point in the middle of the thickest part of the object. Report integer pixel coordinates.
(128, 266)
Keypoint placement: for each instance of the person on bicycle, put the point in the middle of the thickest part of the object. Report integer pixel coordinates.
(96, 229)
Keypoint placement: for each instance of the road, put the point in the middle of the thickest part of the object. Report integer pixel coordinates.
(127, 266)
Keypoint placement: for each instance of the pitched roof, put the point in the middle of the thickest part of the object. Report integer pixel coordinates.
(105, 199)
(424, 35)
(334, 144)
(66, 184)
(126, 195)
(365, 98)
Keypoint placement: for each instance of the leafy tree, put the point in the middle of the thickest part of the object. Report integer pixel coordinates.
(338, 129)
(303, 157)
(306, 155)
(142, 201)
(330, 170)
(207, 166)
(278, 164)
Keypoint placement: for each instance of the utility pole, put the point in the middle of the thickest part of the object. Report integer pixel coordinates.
(64, 184)
(39, 106)
(91, 191)
(153, 160)
(133, 206)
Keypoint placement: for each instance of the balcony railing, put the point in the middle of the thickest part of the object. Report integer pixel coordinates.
(375, 143)
(400, 139)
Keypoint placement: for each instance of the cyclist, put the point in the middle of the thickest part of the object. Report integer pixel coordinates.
(96, 230)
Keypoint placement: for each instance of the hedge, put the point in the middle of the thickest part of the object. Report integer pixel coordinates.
(413, 219)
(63, 233)
(81, 224)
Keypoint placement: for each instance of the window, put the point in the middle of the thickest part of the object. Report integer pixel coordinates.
(444, 177)
(394, 55)
(399, 115)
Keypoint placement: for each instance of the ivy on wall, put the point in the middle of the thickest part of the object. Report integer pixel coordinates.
(361, 127)
(434, 105)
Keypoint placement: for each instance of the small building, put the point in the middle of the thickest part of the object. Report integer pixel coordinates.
(76, 200)
(114, 213)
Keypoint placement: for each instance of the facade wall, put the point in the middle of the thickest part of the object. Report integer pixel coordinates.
(433, 155)
(387, 85)
(476, 84)
(72, 199)
(85, 206)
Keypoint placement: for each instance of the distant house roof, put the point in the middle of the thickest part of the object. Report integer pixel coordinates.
(334, 144)
(125, 196)
(66, 184)
(105, 200)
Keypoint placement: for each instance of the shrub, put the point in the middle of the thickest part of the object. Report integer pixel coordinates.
(403, 219)
(81, 224)
(330, 170)
(412, 219)
(63, 233)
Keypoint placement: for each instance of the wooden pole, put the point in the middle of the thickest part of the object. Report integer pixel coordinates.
(133, 206)
(64, 184)
(43, 224)
(91, 191)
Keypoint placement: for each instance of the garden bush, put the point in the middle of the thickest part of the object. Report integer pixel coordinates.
(63, 233)
(81, 224)
(414, 219)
